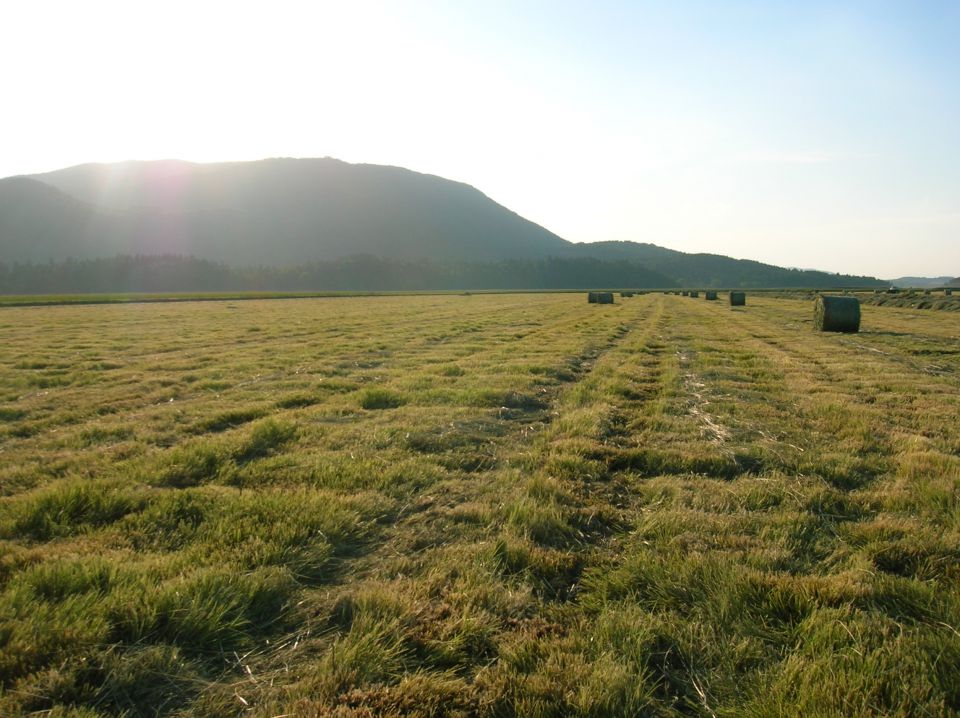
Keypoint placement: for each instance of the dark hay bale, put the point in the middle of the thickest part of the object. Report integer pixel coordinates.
(948, 292)
(710, 296)
(893, 290)
(694, 294)
(738, 299)
(592, 297)
(927, 292)
(836, 314)
(626, 294)
(604, 297)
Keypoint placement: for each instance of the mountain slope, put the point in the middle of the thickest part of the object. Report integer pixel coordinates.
(39, 222)
(290, 211)
(715, 270)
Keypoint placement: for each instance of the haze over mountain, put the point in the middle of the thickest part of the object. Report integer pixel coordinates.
(286, 212)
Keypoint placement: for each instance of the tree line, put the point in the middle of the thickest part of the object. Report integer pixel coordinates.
(174, 273)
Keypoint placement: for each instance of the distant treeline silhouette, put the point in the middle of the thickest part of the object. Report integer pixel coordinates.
(173, 273)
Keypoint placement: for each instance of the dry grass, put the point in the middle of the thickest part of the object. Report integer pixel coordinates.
(478, 505)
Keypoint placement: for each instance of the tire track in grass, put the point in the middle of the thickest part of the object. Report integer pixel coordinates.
(418, 538)
(689, 432)
(524, 425)
(793, 542)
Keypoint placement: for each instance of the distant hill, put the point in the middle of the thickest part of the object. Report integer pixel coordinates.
(39, 222)
(921, 282)
(290, 211)
(714, 270)
(293, 212)
(954, 282)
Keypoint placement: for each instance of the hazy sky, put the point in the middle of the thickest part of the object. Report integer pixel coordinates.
(809, 134)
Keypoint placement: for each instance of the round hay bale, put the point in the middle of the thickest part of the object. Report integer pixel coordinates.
(592, 297)
(948, 292)
(710, 296)
(738, 299)
(626, 294)
(836, 314)
(604, 297)
(694, 294)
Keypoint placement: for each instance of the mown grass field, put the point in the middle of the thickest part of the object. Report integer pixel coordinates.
(486, 505)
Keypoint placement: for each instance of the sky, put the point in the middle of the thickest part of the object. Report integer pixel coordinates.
(805, 134)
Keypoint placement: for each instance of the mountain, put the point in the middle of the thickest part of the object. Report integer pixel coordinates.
(290, 211)
(39, 222)
(921, 282)
(296, 212)
(715, 270)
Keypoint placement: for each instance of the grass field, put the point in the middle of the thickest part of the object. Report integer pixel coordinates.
(478, 505)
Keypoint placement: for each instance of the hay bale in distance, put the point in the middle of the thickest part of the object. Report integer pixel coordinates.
(710, 296)
(626, 294)
(693, 294)
(738, 299)
(604, 297)
(592, 297)
(948, 292)
(836, 314)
